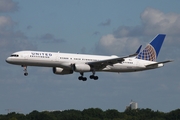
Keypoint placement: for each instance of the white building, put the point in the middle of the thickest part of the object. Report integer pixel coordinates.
(132, 106)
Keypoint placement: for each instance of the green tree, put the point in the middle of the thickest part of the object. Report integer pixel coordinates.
(112, 114)
(173, 115)
(93, 113)
(34, 115)
(70, 115)
(13, 116)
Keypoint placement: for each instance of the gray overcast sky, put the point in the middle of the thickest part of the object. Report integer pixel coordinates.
(93, 27)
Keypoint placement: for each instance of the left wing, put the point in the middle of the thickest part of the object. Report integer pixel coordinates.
(104, 63)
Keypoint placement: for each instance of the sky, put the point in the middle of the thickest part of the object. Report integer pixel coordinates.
(101, 27)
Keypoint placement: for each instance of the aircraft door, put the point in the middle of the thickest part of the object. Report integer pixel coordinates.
(25, 56)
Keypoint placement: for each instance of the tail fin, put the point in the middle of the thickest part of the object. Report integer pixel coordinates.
(151, 51)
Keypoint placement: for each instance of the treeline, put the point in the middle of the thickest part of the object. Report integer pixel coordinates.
(95, 114)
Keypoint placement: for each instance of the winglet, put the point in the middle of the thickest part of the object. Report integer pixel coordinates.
(137, 52)
(139, 49)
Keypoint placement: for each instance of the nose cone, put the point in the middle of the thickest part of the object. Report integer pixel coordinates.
(8, 60)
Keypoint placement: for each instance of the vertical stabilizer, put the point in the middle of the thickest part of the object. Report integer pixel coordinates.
(151, 51)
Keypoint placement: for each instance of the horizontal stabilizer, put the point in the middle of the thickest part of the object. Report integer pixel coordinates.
(159, 63)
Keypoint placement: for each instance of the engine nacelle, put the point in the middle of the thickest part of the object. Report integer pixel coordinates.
(61, 71)
(82, 68)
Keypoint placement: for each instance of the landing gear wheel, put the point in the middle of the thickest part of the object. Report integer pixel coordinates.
(82, 78)
(25, 74)
(93, 77)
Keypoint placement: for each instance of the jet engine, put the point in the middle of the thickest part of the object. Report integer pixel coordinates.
(61, 71)
(81, 68)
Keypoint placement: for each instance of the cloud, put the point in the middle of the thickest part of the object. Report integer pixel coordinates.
(109, 44)
(8, 6)
(5, 22)
(11, 40)
(49, 38)
(29, 27)
(153, 22)
(108, 22)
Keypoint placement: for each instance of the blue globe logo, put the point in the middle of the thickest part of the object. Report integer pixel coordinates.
(148, 53)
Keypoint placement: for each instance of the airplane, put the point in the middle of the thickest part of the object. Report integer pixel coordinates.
(68, 63)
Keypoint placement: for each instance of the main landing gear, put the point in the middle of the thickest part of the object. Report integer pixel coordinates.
(25, 70)
(91, 77)
(82, 78)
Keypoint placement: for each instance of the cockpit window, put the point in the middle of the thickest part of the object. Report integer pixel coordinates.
(14, 55)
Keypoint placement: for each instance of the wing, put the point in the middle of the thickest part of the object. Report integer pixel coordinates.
(103, 63)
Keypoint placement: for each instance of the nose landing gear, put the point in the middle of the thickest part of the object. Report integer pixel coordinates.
(25, 70)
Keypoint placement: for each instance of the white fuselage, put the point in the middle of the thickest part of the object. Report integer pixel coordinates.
(65, 61)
